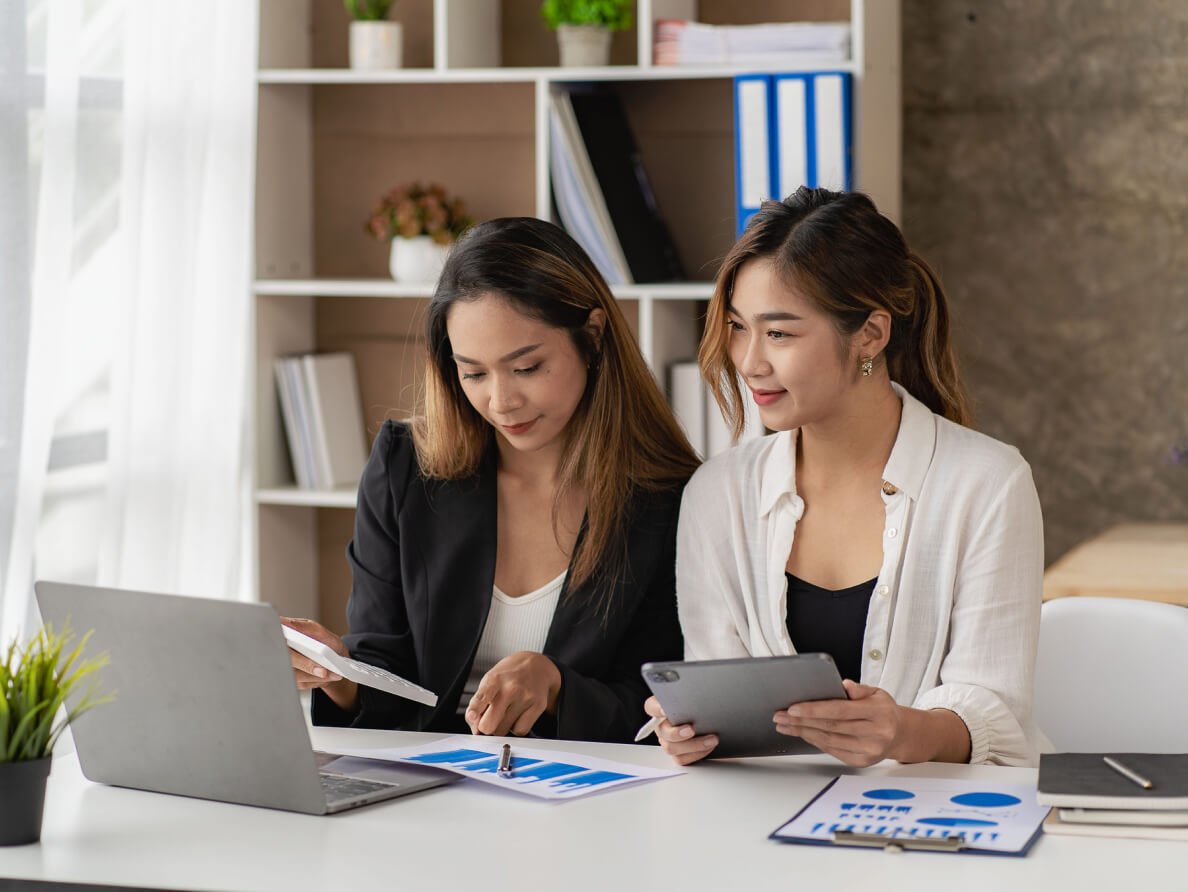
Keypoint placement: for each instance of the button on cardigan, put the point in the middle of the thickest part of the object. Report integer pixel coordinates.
(954, 619)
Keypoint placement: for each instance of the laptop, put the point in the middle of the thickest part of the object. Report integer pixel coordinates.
(206, 706)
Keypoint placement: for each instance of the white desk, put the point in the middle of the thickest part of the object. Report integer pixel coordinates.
(704, 830)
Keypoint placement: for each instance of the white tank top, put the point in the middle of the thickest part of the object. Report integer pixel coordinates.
(513, 624)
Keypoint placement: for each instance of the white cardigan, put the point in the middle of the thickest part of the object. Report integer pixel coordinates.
(954, 618)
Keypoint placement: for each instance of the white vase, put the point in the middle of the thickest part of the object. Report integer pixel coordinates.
(417, 260)
(376, 45)
(583, 45)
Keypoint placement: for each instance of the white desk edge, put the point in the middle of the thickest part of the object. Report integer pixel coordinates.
(706, 829)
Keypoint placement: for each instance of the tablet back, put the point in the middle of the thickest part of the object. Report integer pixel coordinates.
(736, 699)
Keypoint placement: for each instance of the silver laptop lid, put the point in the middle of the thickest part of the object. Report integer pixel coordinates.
(205, 703)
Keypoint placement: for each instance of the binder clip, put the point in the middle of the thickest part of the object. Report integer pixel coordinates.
(895, 844)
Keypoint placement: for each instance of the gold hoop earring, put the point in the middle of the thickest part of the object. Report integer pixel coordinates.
(866, 364)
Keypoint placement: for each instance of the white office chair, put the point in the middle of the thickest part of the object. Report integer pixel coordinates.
(1112, 675)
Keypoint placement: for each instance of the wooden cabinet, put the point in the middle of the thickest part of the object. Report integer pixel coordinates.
(470, 111)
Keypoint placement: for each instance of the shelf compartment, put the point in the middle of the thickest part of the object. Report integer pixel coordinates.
(477, 141)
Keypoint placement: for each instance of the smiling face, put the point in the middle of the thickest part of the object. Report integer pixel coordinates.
(525, 377)
(788, 351)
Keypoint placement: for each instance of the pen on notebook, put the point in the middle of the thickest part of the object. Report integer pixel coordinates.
(1128, 773)
(504, 769)
(648, 727)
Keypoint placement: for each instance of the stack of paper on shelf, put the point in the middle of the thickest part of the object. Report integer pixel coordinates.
(601, 190)
(319, 397)
(699, 416)
(1093, 799)
(772, 45)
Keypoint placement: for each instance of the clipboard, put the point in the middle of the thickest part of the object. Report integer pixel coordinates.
(899, 814)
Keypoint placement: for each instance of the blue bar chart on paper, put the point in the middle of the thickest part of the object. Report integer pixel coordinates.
(541, 773)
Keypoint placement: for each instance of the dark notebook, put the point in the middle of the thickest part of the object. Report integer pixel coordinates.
(614, 155)
(1084, 780)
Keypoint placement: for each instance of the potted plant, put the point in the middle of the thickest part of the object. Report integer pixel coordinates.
(421, 222)
(376, 43)
(584, 27)
(36, 679)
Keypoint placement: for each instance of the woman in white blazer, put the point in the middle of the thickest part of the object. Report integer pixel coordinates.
(874, 525)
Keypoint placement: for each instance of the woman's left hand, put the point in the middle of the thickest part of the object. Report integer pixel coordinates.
(513, 694)
(860, 731)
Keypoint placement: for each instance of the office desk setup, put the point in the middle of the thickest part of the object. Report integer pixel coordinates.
(706, 829)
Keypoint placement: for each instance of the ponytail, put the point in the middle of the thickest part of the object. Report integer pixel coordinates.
(921, 358)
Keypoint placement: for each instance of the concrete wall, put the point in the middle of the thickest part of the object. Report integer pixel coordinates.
(1046, 177)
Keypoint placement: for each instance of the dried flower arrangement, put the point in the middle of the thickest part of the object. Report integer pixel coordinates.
(412, 209)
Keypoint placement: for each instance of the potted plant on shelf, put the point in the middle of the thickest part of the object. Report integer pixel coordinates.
(36, 680)
(584, 28)
(376, 43)
(421, 222)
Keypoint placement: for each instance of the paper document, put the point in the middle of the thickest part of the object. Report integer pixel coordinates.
(988, 817)
(356, 670)
(546, 774)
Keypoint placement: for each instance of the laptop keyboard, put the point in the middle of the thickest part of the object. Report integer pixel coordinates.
(339, 788)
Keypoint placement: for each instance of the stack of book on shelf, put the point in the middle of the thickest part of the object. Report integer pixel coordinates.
(1136, 795)
(697, 411)
(319, 397)
(773, 45)
(601, 191)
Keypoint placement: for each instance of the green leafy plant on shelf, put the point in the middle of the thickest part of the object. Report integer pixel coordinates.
(36, 679)
(412, 209)
(368, 10)
(612, 14)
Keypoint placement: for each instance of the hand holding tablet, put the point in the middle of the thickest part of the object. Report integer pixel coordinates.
(734, 700)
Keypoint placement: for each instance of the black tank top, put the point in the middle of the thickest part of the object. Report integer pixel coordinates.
(832, 622)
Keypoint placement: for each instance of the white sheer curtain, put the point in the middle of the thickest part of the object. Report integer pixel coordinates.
(126, 153)
(178, 481)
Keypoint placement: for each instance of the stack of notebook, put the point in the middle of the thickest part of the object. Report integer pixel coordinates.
(1139, 795)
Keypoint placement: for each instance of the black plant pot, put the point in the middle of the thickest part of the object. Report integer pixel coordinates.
(22, 790)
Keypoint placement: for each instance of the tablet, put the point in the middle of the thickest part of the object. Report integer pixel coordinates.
(736, 699)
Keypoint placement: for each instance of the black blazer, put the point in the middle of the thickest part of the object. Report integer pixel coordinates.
(423, 559)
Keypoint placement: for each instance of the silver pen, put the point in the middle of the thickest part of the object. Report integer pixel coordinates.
(1128, 773)
(504, 769)
(648, 727)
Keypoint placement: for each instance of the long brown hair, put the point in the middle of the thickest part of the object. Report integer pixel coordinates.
(622, 436)
(842, 253)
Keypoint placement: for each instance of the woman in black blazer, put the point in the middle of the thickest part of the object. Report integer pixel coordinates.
(514, 545)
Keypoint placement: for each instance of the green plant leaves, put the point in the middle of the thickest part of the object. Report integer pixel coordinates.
(36, 679)
(368, 10)
(614, 14)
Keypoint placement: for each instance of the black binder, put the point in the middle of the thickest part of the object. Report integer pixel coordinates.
(614, 155)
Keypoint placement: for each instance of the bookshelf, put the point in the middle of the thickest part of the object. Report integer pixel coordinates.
(470, 110)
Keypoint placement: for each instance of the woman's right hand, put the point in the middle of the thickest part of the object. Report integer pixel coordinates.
(310, 675)
(679, 740)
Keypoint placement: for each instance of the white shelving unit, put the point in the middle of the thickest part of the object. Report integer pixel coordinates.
(471, 112)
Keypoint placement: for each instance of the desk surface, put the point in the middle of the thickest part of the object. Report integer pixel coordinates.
(706, 829)
(1132, 560)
